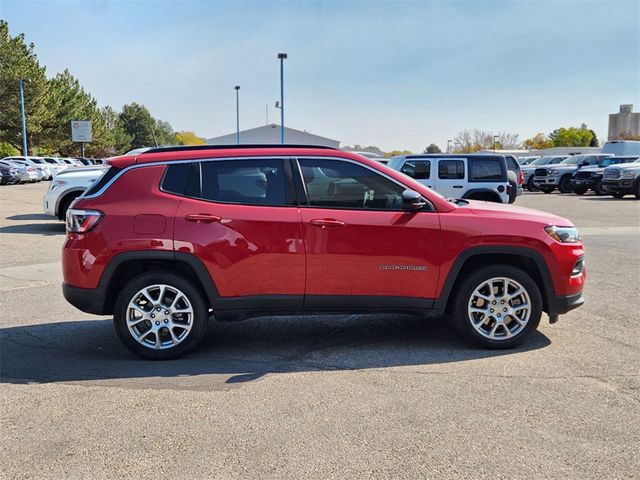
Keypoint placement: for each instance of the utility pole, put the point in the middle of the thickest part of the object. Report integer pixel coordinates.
(24, 122)
(282, 57)
(237, 87)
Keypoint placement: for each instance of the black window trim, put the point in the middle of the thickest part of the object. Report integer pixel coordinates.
(465, 168)
(503, 166)
(428, 160)
(429, 207)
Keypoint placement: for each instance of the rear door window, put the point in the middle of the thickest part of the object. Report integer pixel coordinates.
(485, 170)
(249, 182)
(418, 169)
(451, 169)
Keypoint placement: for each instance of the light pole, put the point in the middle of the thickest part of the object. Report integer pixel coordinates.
(237, 87)
(495, 141)
(449, 146)
(24, 123)
(282, 57)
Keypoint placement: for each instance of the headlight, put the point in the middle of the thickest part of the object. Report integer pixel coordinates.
(554, 172)
(563, 234)
(628, 174)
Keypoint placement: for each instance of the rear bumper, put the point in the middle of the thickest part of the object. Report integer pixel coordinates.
(564, 304)
(90, 300)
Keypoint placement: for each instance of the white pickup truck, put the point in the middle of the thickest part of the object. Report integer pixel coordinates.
(66, 187)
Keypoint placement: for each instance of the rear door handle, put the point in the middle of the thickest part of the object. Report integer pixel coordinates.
(457, 186)
(327, 223)
(202, 218)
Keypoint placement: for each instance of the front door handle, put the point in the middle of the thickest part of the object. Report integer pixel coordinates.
(327, 223)
(457, 186)
(202, 218)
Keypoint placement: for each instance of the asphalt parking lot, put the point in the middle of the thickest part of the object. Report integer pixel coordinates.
(321, 397)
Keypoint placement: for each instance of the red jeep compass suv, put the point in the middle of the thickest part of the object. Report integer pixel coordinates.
(171, 236)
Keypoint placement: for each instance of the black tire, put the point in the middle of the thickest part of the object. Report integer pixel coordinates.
(464, 291)
(599, 189)
(531, 186)
(66, 202)
(617, 195)
(580, 191)
(636, 189)
(564, 185)
(199, 322)
(548, 189)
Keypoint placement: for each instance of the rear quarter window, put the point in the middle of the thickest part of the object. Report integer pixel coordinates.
(102, 181)
(175, 178)
(451, 169)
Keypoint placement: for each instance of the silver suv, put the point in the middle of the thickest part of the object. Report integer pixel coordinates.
(470, 176)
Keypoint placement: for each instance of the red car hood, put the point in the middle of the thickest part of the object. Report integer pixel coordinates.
(500, 210)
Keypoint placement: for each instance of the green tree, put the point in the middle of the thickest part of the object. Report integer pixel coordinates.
(119, 140)
(538, 142)
(188, 138)
(7, 150)
(164, 133)
(18, 61)
(594, 140)
(138, 124)
(433, 148)
(571, 137)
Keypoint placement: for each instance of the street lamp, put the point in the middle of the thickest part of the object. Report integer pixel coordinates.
(449, 146)
(237, 88)
(24, 123)
(282, 57)
(495, 141)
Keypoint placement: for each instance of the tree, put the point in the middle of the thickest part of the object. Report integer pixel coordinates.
(393, 153)
(594, 140)
(188, 138)
(432, 148)
(119, 140)
(538, 142)
(570, 137)
(18, 61)
(164, 133)
(138, 124)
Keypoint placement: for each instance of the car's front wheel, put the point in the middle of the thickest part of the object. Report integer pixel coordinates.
(565, 184)
(159, 315)
(497, 307)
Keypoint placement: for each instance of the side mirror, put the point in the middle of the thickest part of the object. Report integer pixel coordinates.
(412, 200)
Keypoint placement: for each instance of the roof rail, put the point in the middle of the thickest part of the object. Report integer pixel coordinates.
(179, 148)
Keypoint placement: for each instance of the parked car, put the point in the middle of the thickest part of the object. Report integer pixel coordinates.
(515, 178)
(528, 170)
(55, 165)
(590, 178)
(42, 163)
(236, 231)
(42, 173)
(548, 179)
(66, 187)
(25, 173)
(621, 180)
(526, 160)
(10, 174)
(467, 176)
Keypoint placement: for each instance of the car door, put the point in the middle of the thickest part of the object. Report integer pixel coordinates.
(363, 249)
(240, 218)
(451, 177)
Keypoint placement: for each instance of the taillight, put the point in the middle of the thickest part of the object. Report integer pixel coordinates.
(30, 169)
(81, 221)
(521, 178)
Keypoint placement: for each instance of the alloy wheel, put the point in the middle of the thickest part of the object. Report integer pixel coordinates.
(499, 308)
(159, 317)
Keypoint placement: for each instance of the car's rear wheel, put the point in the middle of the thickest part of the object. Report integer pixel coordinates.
(531, 186)
(547, 189)
(497, 307)
(159, 315)
(580, 191)
(565, 184)
(636, 190)
(617, 195)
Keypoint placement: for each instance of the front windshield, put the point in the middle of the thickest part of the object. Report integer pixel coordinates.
(541, 161)
(572, 160)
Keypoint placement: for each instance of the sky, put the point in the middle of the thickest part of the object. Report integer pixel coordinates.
(399, 75)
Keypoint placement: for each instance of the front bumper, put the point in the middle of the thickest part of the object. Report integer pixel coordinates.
(583, 182)
(564, 304)
(624, 185)
(546, 181)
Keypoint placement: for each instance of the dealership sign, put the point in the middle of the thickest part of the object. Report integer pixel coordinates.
(81, 131)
